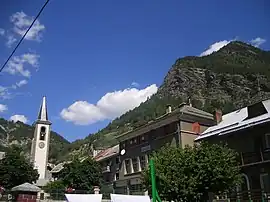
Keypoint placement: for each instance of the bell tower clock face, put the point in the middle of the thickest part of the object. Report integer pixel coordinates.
(41, 145)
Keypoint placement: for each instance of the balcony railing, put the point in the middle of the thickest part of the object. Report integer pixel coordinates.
(250, 158)
(106, 169)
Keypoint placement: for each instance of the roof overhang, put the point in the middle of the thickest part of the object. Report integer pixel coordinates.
(234, 129)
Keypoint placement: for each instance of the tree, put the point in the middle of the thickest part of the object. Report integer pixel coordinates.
(82, 175)
(15, 169)
(56, 189)
(189, 174)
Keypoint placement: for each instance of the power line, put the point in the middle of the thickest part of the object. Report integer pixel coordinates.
(3, 66)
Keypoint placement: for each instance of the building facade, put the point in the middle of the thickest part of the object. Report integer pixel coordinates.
(176, 128)
(109, 161)
(247, 131)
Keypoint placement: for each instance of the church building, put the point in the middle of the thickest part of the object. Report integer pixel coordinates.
(40, 145)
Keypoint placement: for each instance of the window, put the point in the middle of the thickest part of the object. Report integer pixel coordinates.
(133, 141)
(128, 166)
(41, 196)
(116, 176)
(170, 128)
(142, 138)
(42, 133)
(143, 162)
(124, 144)
(267, 140)
(265, 182)
(138, 139)
(117, 160)
(135, 164)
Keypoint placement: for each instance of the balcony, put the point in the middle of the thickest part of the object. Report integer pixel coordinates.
(252, 158)
(106, 169)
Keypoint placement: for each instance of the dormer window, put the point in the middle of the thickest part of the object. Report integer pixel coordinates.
(42, 133)
(255, 110)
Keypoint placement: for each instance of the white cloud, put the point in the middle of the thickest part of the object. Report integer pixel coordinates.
(21, 83)
(17, 64)
(3, 108)
(257, 41)
(21, 23)
(215, 47)
(2, 32)
(110, 106)
(10, 37)
(18, 117)
(135, 84)
(4, 93)
(10, 40)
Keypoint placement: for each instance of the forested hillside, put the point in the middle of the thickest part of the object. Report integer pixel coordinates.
(235, 76)
(22, 134)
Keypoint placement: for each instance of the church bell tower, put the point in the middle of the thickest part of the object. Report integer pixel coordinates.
(41, 141)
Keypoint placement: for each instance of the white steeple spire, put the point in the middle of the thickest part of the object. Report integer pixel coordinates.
(41, 144)
(43, 114)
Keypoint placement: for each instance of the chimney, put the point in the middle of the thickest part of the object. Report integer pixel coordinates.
(218, 116)
(189, 102)
(169, 109)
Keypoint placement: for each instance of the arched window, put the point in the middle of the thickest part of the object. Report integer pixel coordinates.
(245, 183)
(42, 133)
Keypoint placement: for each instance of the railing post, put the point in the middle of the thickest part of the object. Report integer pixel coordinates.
(262, 159)
(249, 196)
(242, 160)
(237, 196)
(263, 196)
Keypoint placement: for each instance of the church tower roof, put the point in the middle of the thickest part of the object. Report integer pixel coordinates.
(43, 113)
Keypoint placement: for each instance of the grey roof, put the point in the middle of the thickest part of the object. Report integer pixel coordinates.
(236, 121)
(187, 109)
(26, 187)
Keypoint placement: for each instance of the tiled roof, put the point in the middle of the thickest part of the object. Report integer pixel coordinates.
(112, 151)
(26, 187)
(236, 121)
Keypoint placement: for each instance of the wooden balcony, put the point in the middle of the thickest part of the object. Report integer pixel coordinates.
(252, 158)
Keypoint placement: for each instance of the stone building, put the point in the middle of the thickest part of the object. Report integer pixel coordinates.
(247, 131)
(176, 128)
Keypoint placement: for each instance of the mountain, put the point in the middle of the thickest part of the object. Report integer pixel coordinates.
(236, 75)
(22, 134)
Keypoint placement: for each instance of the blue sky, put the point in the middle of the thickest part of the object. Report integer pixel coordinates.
(120, 51)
